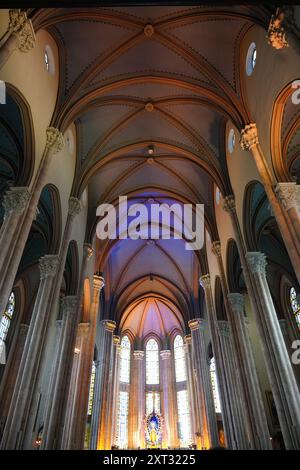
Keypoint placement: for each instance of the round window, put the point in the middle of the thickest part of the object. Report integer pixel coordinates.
(49, 60)
(218, 195)
(231, 140)
(251, 59)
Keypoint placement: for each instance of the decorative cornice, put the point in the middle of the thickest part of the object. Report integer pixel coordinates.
(229, 203)
(54, 139)
(216, 248)
(249, 136)
(87, 250)
(205, 281)
(48, 266)
(223, 328)
(165, 354)
(98, 282)
(237, 302)
(69, 304)
(276, 31)
(138, 355)
(74, 206)
(16, 199)
(289, 195)
(256, 262)
(197, 324)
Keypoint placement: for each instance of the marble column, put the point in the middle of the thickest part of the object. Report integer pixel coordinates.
(195, 422)
(137, 401)
(17, 240)
(56, 396)
(116, 388)
(19, 35)
(209, 430)
(280, 371)
(18, 412)
(249, 141)
(220, 369)
(103, 380)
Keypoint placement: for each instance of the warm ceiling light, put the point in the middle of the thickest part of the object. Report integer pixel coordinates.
(150, 150)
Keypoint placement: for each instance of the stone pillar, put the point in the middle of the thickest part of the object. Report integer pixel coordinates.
(17, 240)
(137, 402)
(56, 396)
(99, 423)
(209, 430)
(220, 367)
(170, 438)
(116, 387)
(281, 375)
(18, 413)
(249, 141)
(195, 422)
(20, 35)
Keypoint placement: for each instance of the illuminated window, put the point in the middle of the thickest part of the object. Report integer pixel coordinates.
(231, 140)
(47, 61)
(122, 425)
(125, 360)
(7, 317)
(152, 362)
(184, 418)
(179, 355)
(251, 59)
(295, 306)
(92, 387)
(214, 384)
(218, 196)
(152, 398)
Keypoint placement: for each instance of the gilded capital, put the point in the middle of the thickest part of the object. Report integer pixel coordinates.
(197, 324)
(74, 206)
(98, 282)
(229, 203)
(109, 325)
(205, 281)
(223, 328)
(237, 302)
(87, 250)
(16, 199)
(256, 262)
(48, 266)
(249, 136)
(289, 195)
(69, 304)
(276, 31)
(216, 248)
(54, 139)
(116, 340)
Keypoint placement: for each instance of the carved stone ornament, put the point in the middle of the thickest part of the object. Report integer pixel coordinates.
(48, 266)
(249, 136)
(54, 139)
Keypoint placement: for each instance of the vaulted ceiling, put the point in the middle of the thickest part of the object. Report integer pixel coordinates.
(166, 77)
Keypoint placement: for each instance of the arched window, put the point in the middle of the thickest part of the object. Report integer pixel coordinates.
(92, 387)
(214, 384)
(295, 305)
(179, 355)
(125, 360)
(152, 362)
(7, 317)
(184, 418)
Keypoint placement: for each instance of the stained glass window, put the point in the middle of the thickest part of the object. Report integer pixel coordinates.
(47, 62)
(214, 384)
(179, 354)
(125, 360)
(184, 418)
(152, 362)
(295, 305)
(122, 426)
(91, 392)
(150, 397)
(7, 317)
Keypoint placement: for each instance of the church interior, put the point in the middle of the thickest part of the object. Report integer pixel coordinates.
(123, 343)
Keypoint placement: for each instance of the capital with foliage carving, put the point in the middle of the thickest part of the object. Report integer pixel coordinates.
(54, 139)
(276, 31)
(249, 136)
(74, 206)
(229, 203)
(223, 328)
(16, 199)
(256, 262)
(216, 248)
(48, 266)
(98, 282)
(237, 302)
(197, 324)
(289, 195)
(205, 281)
(138, 355)
(69, 304)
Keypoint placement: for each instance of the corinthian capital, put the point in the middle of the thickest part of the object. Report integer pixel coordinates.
(216, 248)
(289, 195)
(237, 302)
(249, 136)
(69, 304)
(196, 324)
(205, 281)
(109, 325)
(16, 199)
(17, 20)
(54, 139)
(223, 328)
(74, 206)
(229, 203)
(256, 262)
(276, 31)
(26, 37)
(48, 265)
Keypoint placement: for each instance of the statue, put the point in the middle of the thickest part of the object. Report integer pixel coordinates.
(153, 430)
